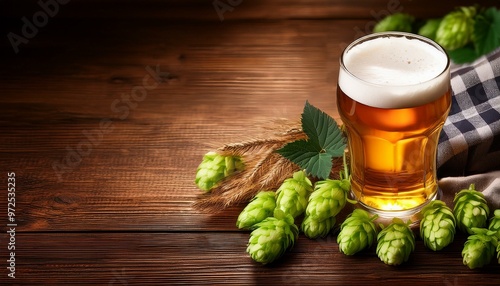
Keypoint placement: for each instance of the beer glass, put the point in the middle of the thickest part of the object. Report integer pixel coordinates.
(393, 96)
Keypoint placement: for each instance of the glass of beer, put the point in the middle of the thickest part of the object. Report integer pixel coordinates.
(393, 96)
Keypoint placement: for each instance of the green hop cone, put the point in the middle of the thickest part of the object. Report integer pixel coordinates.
(495, 223)
(357, 232)
(395, 22)
(429, 29)
(272, 237)
(395, 243)
(313, 228)
(456, 28)
(328, 198)
(471, 209)
(437, 227)
(261, 207)
(498, 251)
(495, 227)
(293, 194)
(215, 167)
(480, 248)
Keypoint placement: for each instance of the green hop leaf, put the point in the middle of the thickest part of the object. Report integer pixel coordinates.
(456, 28)
(463, 55)
(471, 209)
(261, 207)
(314, 228)
(395, 243)
(272, 237)
(480, 248)
(437, 227)
(325, 141)
(357, 232)
(293, 194)
(395, 22)
(430, 28)
(328, 198)
(215, 167)
(486, 36)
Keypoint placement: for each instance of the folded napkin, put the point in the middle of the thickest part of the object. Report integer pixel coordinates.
(469, 145)
(470, 140)
(487, 183)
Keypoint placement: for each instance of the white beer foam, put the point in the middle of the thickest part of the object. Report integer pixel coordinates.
(394, 72)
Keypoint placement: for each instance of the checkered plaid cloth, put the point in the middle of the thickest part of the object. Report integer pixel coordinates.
(470, 140)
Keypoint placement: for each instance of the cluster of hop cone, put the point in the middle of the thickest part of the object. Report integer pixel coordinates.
(271, 217)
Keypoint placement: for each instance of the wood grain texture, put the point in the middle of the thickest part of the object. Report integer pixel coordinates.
(216, 258)
(221, 88)
(106, 113)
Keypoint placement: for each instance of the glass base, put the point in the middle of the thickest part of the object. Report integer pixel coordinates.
(385, 217)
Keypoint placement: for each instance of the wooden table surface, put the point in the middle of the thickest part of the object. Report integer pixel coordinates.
(107, 108)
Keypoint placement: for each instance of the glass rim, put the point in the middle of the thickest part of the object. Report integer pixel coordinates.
(407, 35)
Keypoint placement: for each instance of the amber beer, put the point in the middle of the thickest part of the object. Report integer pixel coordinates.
(393, 96)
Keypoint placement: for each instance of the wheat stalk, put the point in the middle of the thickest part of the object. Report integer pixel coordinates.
(264, 170)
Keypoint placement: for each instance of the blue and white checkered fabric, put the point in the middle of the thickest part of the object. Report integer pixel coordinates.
(470, 140)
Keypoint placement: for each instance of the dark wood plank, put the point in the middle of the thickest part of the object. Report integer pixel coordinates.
(224, 10)
(220, 258)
